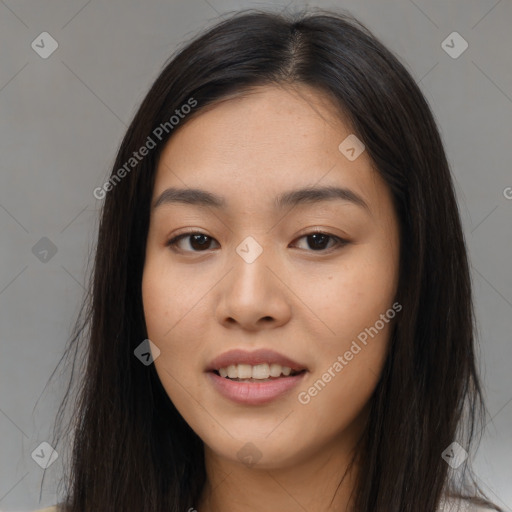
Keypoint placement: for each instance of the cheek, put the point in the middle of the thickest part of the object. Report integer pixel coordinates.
(157, 302)
(352, 294)
(350, 361)
(174, 310)
(168, 310)
(355, 306)
(167, 297)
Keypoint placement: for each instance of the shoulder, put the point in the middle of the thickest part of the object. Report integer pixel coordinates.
(461, 505)
(47, 509)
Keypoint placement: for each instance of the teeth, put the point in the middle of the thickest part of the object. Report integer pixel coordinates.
(259, 371)
(275, 370)
(232, 371)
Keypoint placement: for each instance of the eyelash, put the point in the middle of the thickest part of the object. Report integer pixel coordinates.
(339, 242)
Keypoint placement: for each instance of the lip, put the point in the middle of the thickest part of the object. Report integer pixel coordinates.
(254, 393)
(260, 356)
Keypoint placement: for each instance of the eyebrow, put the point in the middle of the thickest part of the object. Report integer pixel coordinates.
(308, 195)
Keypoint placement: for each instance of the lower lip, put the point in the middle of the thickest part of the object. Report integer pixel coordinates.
(254, 393)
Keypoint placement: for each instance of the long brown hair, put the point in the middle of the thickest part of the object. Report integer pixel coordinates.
(131, 449)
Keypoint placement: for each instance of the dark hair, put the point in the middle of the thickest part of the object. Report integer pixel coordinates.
(132, 450)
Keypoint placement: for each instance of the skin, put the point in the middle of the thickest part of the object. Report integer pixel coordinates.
(307, 304)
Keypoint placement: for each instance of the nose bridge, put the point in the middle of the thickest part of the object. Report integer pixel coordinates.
(250, 274)
(252, 292)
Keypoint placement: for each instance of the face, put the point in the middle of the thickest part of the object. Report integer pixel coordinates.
(305, 282)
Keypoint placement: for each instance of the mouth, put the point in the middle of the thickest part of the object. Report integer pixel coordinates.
(254, 378)
(259, 364)
(264, 372)
(255, 391)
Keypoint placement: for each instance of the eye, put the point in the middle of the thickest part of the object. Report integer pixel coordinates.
(199, 242)
(317, 241)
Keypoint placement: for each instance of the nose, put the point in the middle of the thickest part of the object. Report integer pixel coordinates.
(254, 295)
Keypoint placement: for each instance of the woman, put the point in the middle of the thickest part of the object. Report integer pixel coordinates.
(281, 311)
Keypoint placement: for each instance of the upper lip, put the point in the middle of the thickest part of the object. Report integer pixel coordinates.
(238, 356)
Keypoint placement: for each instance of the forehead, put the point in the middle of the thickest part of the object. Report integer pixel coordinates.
(262, 143)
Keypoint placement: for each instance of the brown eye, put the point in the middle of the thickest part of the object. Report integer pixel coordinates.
(318, 241)
(197, 241)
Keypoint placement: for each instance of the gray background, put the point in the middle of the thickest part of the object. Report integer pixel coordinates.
(62, 119)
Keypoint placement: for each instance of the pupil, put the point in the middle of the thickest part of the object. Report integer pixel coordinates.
(316, 237)
(202, 243)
